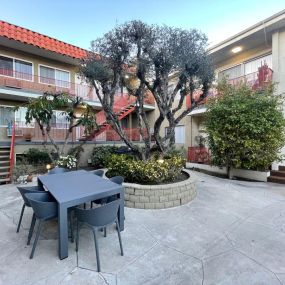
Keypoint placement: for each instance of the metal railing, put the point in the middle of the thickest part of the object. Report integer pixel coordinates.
(30, 82)
(198, 154)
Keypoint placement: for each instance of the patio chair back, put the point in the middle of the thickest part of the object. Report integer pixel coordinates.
(99, 172)
(57, 170)
(25, 190)
(43, 204)
(117, 179)
(99, 217)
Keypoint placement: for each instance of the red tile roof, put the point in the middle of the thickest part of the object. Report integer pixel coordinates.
(26, 36)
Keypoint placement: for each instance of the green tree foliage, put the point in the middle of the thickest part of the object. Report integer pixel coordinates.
(41, 110)
(245, 127)
(143, 59)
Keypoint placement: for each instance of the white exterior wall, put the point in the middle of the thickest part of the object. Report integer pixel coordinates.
(278, 66)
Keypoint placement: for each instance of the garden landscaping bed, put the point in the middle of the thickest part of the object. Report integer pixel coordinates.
(160, 196)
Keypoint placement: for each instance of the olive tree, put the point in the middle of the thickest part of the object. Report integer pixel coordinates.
(245, 127)
(142, 59)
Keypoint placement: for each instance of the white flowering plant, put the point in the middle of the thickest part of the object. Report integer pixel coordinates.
(68, 161)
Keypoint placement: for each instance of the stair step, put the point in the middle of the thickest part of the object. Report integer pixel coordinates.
(4, 150)
(4, 167)
(281, 167)
(4, 173)
(276, 179)
(4, 161)
(4, 179)
(277, 173)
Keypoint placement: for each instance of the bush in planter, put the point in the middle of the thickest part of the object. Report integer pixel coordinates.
(101, 154)
(150, 172)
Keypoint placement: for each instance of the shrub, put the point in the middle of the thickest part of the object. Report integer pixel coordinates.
(76, 152)
(35, 156)
(150, 172)
(245, 127)
(68, 161)
(101, 154)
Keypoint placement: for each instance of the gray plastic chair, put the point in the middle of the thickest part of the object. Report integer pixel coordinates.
(58, 170)
(24, 190)
(99, 172)
(96, 219)
(116, 179)
(45, 208)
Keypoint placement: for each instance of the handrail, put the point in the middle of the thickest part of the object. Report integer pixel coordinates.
(12, 152)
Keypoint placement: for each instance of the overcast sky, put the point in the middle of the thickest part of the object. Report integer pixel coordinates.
(79, 22)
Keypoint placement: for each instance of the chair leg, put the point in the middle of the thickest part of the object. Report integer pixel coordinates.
(97, 251)
(77, 236)
(105, 232)
(31, 229)
(36, 239)
(21, 216)
(119, 236)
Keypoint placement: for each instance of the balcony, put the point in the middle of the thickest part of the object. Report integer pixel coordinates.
(32, 133)
(258, 81)
(33, 83)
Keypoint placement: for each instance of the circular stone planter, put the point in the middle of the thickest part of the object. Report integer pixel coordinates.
(160, 196)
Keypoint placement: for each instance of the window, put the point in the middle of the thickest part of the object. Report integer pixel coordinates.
(231, 73)
(6, 116)
(20, 118)
(253, 65)
(6, 66)
(16, 68)
(59, 120)
(23, 70)
(54, 76)
(179, 134)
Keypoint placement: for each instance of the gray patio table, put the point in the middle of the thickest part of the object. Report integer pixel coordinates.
(74, 188)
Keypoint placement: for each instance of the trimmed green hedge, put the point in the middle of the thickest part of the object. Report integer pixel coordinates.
(151, 172)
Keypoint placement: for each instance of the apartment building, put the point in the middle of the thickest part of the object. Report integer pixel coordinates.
(31, 64)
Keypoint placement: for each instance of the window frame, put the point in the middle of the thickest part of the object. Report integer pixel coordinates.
(54, 68)
(7, 106)
(166, 132)
(20, 59)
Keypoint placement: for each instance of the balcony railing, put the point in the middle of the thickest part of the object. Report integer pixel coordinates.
(198, 154)
(32, 132)
(29, 82)
(257, 81)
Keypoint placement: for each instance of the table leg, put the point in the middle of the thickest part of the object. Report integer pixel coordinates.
(121, 213)
(63, 232)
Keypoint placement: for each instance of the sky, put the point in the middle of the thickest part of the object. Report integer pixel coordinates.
(80, 22)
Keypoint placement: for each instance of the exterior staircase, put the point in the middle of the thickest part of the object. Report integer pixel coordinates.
(277, 176)
(123, 106)
(4, 164)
